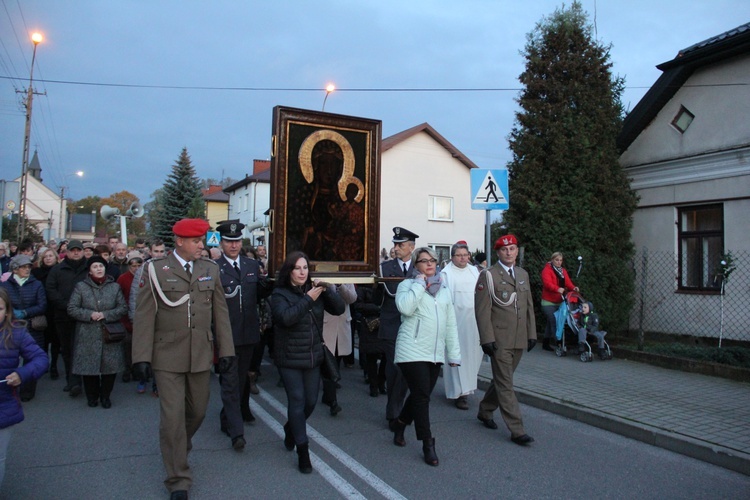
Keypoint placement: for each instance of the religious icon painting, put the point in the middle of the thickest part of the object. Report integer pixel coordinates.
(325, 191)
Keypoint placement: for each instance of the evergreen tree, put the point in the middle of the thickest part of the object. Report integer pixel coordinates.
(567, 190)
(178, 198)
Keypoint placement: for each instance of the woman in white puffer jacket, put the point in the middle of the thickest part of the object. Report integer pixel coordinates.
(428, 331)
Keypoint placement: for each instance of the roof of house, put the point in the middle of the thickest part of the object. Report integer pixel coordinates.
(264, 176)
(216, 196)
(676, 72)
(395, 139)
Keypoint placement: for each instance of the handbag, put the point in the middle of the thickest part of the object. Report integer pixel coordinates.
(330, 368)
(39, 323)
(113, 332)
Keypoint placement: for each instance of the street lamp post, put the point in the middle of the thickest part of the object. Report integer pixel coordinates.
(36, 38)
(329, 88)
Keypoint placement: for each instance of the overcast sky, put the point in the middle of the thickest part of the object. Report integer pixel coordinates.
(127, 137)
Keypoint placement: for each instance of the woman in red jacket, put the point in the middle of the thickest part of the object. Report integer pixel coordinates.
(555, 283)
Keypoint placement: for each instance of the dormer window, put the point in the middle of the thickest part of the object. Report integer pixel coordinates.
(683, 119)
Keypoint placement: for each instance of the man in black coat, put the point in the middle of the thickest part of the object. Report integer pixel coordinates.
(61, 281)
(243, 286)
(390, 318)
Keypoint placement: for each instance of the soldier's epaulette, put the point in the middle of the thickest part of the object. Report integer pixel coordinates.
(207, 259)
(154, 259)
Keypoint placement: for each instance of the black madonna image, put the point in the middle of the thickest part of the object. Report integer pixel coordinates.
(325, 190)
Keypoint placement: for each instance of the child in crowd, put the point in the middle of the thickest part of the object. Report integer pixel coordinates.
(15, 342)
(588, 324)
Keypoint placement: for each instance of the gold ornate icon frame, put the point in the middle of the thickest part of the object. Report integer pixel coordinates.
(325, 192)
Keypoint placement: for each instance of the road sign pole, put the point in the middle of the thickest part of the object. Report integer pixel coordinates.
(487, 237)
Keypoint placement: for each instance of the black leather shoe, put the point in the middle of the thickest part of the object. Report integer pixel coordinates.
(374, 392)
(522, 440)
(53, 373)
(462, 403)
(178, 495)
(225, 430)
(106, 403)
(75, 391)
(238, 443)
(93, 403)
(398, 433)
(488, 422)
(248, 417)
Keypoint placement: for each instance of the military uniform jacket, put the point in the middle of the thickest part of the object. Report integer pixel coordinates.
(507, 318)
(242, 291)
(385, 296)
(179, 338)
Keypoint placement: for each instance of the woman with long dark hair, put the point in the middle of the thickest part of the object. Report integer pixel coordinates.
(297, 306)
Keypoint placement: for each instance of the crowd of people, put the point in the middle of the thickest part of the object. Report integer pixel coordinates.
(167, 316)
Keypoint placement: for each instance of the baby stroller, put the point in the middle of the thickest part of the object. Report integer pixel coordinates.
(570, 313)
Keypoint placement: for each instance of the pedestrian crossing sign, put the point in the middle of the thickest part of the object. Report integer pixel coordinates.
(213, 238)
(489, 189)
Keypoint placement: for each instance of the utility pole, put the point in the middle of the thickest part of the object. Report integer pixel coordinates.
(36, 38)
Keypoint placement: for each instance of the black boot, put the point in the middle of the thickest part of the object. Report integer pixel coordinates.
(303, 452)
(428, 447)
(288, 438)
(398, 432)
(546, 346)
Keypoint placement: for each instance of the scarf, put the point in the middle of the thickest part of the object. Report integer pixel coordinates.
(20, 280)
(98, 281)
(560, 275)
(433, 284)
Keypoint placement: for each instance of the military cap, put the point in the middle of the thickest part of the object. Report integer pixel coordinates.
(230, 230)
(190, 228)
(400, 235)
(504, 241)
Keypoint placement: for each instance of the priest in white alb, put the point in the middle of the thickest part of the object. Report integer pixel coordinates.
(461, 277)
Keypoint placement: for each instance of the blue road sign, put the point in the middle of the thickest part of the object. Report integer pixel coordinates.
(213, 238)
(489, 189)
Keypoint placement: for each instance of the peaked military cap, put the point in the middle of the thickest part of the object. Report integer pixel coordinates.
(230, 230)
(400, 235)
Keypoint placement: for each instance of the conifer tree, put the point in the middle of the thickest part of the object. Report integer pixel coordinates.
(178, 198)
(567, 190)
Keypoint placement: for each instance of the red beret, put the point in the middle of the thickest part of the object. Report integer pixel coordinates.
(190, 228)
(461, 242)
(504, 241)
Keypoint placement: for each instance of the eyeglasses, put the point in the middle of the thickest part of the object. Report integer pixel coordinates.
(426, 261)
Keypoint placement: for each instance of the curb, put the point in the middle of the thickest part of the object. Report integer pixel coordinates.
(684, 445)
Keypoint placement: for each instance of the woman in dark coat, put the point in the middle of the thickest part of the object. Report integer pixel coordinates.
(47, 260)
(29, 299)
(297, 306)
(97, 300)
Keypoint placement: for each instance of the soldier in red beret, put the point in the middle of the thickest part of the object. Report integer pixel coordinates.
(180, 298)
(502, 298)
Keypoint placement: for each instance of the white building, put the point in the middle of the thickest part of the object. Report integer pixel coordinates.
(425, 186)
(44, 206)
(250, 198)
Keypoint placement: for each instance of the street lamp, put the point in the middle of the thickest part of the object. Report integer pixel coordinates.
(60, 233)
(329, 88)
(36, 38)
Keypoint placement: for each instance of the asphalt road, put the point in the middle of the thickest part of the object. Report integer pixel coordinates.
(65, 450)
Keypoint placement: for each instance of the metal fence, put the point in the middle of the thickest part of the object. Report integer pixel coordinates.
(660, 306)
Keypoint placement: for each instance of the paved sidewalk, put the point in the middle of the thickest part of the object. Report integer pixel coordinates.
(697, 415)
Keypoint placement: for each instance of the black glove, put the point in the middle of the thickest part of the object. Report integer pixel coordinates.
(142, 370)
(225, 364)
(532, 344)
(489, 349)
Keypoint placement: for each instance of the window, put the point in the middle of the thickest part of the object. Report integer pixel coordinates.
(443, 252)
(440, 208)
(701, 243)
(683, 119)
